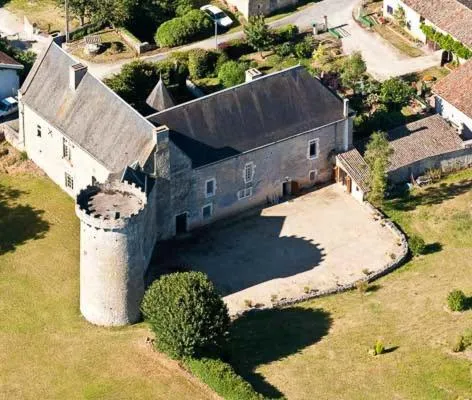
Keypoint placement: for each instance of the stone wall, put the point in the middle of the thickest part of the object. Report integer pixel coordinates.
(251, 8)
(273, 165)
(47, 152)
(447, 162)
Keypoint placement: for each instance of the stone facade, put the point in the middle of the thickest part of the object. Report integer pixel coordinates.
(251, 8)
(44, 145)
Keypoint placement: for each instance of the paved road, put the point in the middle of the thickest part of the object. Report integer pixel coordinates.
(338, 12)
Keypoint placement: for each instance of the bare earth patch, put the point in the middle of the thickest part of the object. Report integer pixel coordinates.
(13, 162)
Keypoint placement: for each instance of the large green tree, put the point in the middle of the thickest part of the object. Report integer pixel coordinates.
(186, 313)
(377, 156)
(396, 93)
(82, 9)
(258, 34)
(353, 69)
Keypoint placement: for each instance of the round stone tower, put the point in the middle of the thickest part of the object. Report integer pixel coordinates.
(112, 261)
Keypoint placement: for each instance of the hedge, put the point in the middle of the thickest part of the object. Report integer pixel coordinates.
(85, 30)
(181, 30)
(231, 73)
(446, 42)
(222, 378)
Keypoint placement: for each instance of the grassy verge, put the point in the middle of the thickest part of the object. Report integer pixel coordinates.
(47, 350)
(320, 349)
(398, 41)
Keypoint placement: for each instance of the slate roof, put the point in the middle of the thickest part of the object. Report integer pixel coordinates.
(451, 16)
(92, 116)
(6, 61)
(160, 98)
(245, 117)
(456, 88)
(355, 165)
(422, 139)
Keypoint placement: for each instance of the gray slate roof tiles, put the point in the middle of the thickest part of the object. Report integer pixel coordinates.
(92, 116)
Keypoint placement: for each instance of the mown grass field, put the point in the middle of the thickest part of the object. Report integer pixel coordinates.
(320, 349)
(47, 350)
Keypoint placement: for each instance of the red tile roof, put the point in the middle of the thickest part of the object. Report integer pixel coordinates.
(7, 60)
(456, 88)
(452, 16)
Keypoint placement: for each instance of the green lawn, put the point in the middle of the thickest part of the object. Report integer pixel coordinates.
(47, 350)
(319, 350)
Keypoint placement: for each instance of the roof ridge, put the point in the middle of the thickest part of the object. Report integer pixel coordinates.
(298, 66)
(35, 68)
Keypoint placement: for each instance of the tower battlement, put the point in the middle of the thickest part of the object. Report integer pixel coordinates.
(111, 205)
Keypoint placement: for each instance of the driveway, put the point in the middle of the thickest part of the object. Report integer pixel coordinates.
(314, 242)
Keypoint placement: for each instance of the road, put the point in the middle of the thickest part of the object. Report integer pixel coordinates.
(382, 59)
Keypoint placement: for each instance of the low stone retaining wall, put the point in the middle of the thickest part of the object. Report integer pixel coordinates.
(387, 268)
(9, 132)
(132, 41)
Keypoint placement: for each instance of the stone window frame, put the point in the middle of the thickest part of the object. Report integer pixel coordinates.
(66, 149)
(210, 206)
(252, 167)
(207, 195)
(245, 193)
(315, 173)
(68, 181)
(317, 149)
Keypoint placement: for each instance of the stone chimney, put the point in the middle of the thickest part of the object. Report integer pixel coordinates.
(252, 74)
(162, 153)
(76, 74)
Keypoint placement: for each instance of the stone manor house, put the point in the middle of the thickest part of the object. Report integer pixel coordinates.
(139, 180)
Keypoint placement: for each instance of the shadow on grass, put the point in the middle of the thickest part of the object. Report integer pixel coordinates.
(432, 248)
(372, 288)
(432, 195)
(18, 223)
(265, 336)
(390, 349)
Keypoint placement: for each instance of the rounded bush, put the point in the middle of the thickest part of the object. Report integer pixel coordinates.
(186, 314)
(305, 48)
(417, 245)
(287, 33)
(177, 31)
(456, 300)
(284, 49)
(231, 73)
(199, 63)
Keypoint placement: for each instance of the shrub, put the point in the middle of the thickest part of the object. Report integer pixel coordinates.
(417, 245)
(186, 314)
(284, 49)
(395, 93)
(200, 63)
(459, 344)
(287, 33)
(379, 348)
(181, 30)
(305, 48)
(362, 286)
(231, 73)
(456, 300)
(222, 379)
(23, 156)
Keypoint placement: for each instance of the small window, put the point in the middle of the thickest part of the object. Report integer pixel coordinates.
(38, 131)
(390, 10)
(210, 187)
(69, 181)
(248, 172)
(65, 149)
(313, 175)
(313, 148)
(207, 211)
(421, 19)
(408, 25)
(94, 181)
(244, 193)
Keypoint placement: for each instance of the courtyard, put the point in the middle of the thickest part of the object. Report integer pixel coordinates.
(318, 241)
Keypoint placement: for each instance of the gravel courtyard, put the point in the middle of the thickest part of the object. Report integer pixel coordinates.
(317, 241)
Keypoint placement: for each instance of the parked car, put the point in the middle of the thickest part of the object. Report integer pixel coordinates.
(217, 15)
(8, 106)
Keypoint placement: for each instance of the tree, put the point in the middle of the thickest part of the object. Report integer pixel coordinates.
(258, 34)
(82, 9)
(353, 69)
(377, 156)
(396, 93)
(114, 12)
(186, 314)
(231, 73)
(399, 15)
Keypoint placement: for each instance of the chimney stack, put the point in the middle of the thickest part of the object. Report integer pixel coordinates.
(252, 74)
(76, 73)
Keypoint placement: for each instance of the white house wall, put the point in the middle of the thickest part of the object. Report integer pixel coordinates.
(47, 152)
(449, 112)
(9, 82)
